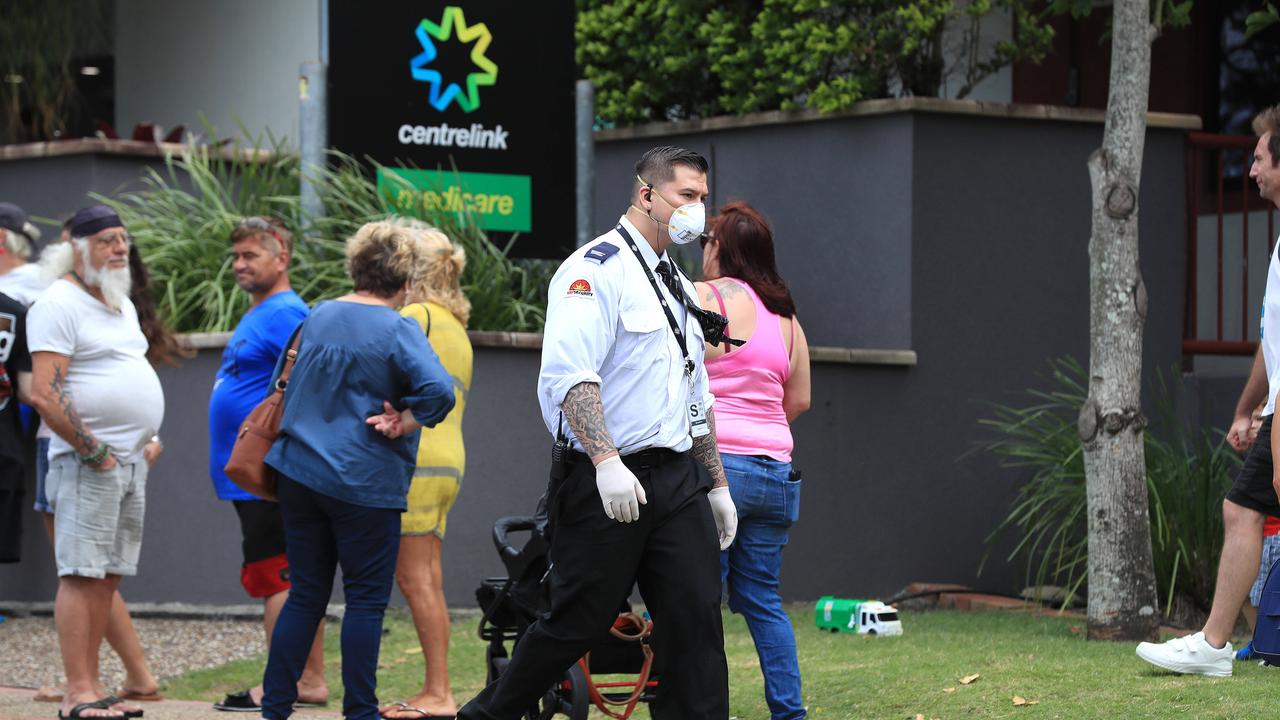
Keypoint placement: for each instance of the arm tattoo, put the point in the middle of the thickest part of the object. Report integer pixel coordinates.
(584, 412)
(84, 441)
(707, 452)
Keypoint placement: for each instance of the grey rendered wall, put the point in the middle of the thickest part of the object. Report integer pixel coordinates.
(1000, 270)
(232, 60)
(839, 197)
(55, 187)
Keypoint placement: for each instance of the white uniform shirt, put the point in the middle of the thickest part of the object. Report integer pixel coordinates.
(1270, 330)
(605, 325)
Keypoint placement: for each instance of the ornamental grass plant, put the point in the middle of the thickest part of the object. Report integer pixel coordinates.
(1188, 473)
(184, 213)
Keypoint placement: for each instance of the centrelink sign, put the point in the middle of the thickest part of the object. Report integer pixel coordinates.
(468, 106)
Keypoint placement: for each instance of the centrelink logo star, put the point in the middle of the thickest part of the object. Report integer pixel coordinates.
(453, 22)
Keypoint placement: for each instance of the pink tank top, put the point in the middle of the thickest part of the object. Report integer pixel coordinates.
(747, 384)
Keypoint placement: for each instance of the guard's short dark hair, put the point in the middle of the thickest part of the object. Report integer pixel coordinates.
(658, 166)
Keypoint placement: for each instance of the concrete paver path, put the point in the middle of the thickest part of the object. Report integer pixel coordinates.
(18, 704)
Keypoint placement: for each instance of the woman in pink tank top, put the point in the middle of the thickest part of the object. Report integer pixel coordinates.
(759, 388)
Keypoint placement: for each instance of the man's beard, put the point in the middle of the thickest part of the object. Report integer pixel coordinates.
(252, 285)
(114, 283)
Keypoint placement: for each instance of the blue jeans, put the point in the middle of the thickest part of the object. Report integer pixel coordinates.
(322, 533)
(768, 502)
(42, 471)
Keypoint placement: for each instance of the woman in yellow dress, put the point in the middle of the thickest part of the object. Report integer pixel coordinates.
(437, 303)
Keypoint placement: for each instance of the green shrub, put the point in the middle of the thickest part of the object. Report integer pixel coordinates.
(1188, 473)
(673, 59)
(183, 215)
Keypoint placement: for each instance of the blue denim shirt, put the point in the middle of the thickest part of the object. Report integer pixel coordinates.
(351, 359)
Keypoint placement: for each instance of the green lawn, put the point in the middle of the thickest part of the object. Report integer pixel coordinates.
(1039, 659)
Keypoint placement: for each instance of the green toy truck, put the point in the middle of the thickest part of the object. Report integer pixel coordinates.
(859, 617)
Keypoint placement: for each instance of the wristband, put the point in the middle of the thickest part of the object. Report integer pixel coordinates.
(96, 457)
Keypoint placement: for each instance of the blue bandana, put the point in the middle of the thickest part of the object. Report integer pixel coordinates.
(91, 220)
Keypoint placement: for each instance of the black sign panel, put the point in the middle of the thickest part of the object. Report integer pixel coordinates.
(478, 96)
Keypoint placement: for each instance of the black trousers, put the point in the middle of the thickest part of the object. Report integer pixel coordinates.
(672, 551)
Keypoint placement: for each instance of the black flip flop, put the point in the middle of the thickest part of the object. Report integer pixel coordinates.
(243, 702)
(238, 702)
(115, 700)
(102, 704)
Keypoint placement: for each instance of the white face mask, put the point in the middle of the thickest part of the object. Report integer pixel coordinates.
(687, 221)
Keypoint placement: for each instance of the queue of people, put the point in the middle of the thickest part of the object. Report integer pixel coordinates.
(672, 400)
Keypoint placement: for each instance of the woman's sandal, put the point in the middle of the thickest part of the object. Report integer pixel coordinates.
(77, 712)
(422, 714)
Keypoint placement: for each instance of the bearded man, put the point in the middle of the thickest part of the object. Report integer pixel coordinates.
(94, 387)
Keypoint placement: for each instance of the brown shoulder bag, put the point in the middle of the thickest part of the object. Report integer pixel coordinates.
(258, 432)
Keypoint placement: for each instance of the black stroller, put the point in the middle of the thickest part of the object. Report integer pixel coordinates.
(511, 604)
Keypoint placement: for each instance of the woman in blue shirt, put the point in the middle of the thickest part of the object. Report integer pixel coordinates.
(365, 381)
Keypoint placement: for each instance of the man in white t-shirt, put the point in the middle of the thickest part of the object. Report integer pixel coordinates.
(1256, 491)
(19, 279)
(98, 393)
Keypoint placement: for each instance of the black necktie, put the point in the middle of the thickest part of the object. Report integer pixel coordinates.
(670, 279)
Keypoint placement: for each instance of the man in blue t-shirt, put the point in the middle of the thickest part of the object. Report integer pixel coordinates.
(260, 250)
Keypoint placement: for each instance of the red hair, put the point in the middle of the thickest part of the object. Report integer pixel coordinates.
(745, 243)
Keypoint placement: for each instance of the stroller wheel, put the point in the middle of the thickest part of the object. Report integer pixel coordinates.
(574, 701)
(495, 662)
(578, 701)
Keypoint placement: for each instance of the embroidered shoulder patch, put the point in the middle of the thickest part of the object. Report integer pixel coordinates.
(581, 288)
(602, 251)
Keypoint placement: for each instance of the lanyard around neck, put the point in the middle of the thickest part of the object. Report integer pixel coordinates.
(671, 319)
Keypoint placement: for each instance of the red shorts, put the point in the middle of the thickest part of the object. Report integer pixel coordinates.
(266, 568)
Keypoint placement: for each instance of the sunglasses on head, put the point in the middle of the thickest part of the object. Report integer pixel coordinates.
(257, 223)
(703, 239)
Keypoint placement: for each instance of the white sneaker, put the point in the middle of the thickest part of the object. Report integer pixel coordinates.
(1190, 655)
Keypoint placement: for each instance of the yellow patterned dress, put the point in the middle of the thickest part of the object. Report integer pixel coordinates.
(441, 456)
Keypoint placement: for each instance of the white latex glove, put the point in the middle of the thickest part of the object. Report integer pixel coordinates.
(725, 513)
(620, 491)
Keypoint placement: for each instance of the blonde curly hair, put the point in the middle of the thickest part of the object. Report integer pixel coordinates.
(439, 269)
(381, 258)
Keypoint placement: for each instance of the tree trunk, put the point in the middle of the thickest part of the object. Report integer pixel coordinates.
(1122, 599)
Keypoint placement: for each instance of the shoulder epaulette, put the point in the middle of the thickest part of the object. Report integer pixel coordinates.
(602, 251)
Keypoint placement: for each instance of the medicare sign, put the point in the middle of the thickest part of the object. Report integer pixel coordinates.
(466, 106)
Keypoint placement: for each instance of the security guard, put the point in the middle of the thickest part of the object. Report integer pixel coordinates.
(642, 495)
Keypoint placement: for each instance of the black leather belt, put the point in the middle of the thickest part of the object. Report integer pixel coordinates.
(652, 457)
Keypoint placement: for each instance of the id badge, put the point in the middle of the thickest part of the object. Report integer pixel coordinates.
(698, 425)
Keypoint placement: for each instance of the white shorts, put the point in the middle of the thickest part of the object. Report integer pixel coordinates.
(97, 517)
